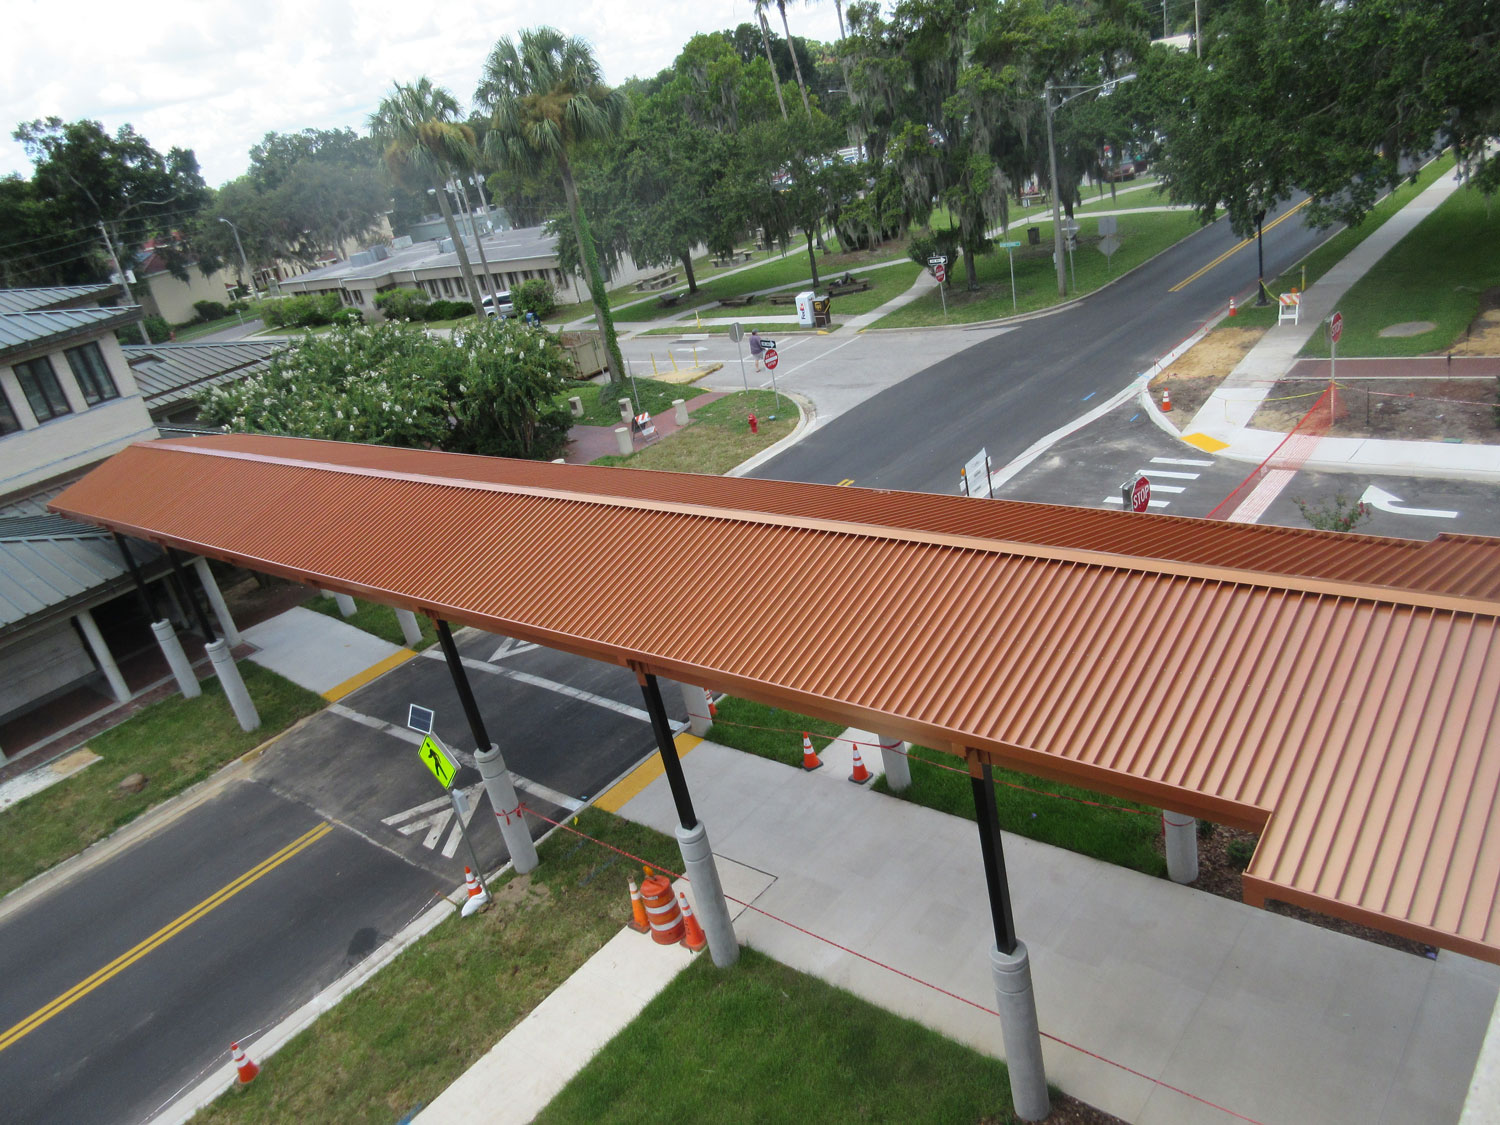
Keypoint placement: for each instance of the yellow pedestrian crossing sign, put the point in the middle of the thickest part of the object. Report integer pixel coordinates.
(440, 764)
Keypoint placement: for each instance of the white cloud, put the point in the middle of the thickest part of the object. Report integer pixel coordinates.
(215, 76)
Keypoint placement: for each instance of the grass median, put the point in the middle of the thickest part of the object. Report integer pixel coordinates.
(174, 744)
(601, 401)
(718, 436)
(378, 620)
(763, 1042)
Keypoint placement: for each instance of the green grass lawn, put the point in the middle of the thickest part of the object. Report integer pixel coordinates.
(762, 1042)
(1141, 236)
(601, 401)
(1125, 838)
(375, 618)
(419, 1023)
(718, 437)
(1437, 273)
(175, 743)
(190, 332)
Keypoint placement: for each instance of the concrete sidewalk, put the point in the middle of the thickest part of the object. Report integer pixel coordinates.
(1250, 1011)
(1222, 424)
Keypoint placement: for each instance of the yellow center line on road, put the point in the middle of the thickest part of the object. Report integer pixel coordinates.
(1236, 249)
(170, 930)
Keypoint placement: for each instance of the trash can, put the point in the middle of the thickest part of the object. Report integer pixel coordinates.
(1034, 235)
(805, 309)
(822, 314)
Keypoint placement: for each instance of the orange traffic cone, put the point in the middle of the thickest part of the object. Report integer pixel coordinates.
(1231, 306)
(661, 910)
(478, 897)
(810, 759)
(247, 1069)
(713, 710)
(637, 910)
(694, 939)
(1166, 400)
(860, 774)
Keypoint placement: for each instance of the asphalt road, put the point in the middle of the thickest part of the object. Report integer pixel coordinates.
(127, 983)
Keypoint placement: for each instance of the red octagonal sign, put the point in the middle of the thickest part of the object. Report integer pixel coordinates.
(1140, 495)
(1336, 327)
(771, 358)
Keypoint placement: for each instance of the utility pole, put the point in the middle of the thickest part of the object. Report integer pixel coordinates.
(244, 262)
(119, 270)
(1057, 235)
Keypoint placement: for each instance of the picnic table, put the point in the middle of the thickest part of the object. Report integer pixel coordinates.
(659, 281)
(667, 300)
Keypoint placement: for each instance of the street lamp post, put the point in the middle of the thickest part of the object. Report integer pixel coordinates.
(1057, 231)
(244, 262)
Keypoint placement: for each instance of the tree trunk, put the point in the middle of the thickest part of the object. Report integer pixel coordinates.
(687, 268)
(765, 38)
(796, 66)
(484, 266)
(463, 255)
(972, 269)
(591, 267)
(812, 257)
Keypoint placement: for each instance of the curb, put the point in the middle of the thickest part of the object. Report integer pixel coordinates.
(807, 419)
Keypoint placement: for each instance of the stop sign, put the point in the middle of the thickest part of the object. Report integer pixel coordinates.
(1140, 495)
(940, 272)
(771, 358)
(1336, 326)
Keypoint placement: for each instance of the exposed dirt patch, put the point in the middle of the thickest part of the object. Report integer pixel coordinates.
(253, 599)
(1404, 409)
(1069, 1111)
(1407, 328)
(1483, 334)
(1199, 372)
(1219, 875)
(516, 896)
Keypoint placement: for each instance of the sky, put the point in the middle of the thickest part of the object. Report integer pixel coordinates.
(215, 76)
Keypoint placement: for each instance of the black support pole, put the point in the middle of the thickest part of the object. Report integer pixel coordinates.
(135, 573)
(186, 589)
(994, 861)
(1260, 261)
(668, 750)
(461, 685)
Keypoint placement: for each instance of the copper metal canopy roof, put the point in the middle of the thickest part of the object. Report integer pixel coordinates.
(1336, 691)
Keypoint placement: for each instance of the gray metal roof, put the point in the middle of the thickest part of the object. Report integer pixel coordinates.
(502, 248)
(172, 373)
(23, 331)
(47, 574)
(52, 297)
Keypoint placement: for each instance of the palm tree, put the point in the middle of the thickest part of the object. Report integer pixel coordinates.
(424, 147)
(765, 40)
(546, 95)
(760, 5)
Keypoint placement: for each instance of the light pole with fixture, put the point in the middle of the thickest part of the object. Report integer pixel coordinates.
(1057, 231)
(244, 263)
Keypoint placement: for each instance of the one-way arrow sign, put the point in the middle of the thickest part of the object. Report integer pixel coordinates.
(1384, 501)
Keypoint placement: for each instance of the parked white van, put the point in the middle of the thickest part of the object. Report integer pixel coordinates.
(507, 307)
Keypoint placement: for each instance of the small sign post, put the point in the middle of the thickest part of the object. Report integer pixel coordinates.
(939, 266)
(436, 757)
(1009, 248)
(1335, 330)
(737, 333)
(974, 478)
(772, 358)
(1136, 494)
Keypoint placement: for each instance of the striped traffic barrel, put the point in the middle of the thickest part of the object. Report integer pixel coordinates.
(662, 911)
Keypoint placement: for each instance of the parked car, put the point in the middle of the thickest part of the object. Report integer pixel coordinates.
(507, 306)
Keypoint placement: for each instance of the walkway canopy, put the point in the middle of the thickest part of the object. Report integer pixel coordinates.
(1336, 692)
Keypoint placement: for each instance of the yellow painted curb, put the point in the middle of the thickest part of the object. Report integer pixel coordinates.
(354, 683)
(618, 795)
(1205, 443)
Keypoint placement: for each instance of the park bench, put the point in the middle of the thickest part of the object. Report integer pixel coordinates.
(844, 288)
(1289, 307)
(781, 298)
(737, 302)
(1030, 197)
(668, 300)
(659, 281)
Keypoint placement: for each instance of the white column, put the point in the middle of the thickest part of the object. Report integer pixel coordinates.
(1181, 834)
(216, 599)
(233, 685)
(1016, 1001)
(894, 762)
(346, 604)
(696, 701)
(411, 632)
(680, 411)
(507, 806)
(622, 439)
(171, 648)
(101, 653)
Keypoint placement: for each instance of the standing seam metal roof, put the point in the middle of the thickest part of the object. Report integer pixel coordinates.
(1338, 690)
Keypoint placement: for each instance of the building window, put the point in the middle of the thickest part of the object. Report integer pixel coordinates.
(9, 424)
(92, 374)
(43, 391)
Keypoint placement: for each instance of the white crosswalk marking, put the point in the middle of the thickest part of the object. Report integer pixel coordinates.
(439, 816)
(1155, 473)
(1149, 503)
(1181, 461)
(1155, 488)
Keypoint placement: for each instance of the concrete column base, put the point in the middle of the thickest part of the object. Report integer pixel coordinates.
(697, 709)
(171, 648)
(216, 599)
(346, 604)
(680, 411)
(507, 806)
(1022, 1034)
(234, 685)
(622, 439)
(102, 654)
(894, 762)
(1181, 846)
(709, 903)
(411, 632)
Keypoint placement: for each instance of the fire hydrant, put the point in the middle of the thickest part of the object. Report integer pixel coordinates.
(754, 425)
